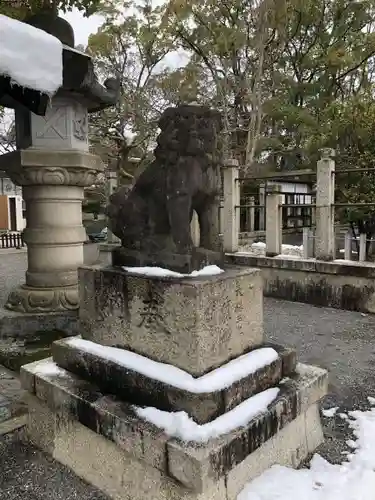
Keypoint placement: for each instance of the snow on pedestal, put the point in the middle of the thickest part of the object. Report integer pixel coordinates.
(216, 380)
(164, 273)
(180, 426)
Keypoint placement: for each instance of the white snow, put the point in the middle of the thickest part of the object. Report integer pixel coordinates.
(153, 271)
(259, 248)
(206, 271)
(330, 412)
(287, 256)
(259, 244)
(352, 444)
(354, 479)
(216, 380)
(181, 426)
(371, 400)
(29, 56)
(165, 273)
(48, 367)
(343, 416)
(342, 250)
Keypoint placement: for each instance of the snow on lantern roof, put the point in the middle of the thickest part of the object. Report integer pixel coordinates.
(30, 57)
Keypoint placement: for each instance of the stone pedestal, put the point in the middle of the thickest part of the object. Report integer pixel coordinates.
(196, 324)
(191, 345)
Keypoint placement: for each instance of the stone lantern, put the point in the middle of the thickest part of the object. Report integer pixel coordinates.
(53, 165)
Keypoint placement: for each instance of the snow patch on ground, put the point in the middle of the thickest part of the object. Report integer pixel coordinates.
(30, 57)
(164, 273)
(216, 380)
(181, 426)
(352, 480)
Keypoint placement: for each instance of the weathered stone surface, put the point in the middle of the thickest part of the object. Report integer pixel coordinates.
(223, 455)
(27, 337)
(99, 461)
(31, 326)
(333, 284)
(197, 466)
(287, 355)
(196, 324)
(131, 386)
(122, 477)
(13, 410)
(155, 215)
(73, 398)
(289, 447)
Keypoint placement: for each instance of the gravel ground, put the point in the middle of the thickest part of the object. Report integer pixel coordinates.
(13, 265)
(28, 474)
(338, 340)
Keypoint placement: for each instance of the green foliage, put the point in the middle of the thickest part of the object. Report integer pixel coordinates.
(92, 207)
(15, 9)
(131, 46)
(290, 77)
(278, 69)
(352, 130)
(18, 9)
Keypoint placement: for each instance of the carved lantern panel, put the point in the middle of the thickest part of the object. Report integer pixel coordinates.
(64, 127)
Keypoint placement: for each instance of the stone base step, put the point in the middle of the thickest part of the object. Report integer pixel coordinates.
(27, 337)
(103, 440)
(113, 378)
(13, 409)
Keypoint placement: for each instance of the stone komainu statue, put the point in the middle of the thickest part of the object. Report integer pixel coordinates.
(155, 214)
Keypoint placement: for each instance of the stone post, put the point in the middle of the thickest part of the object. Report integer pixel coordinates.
(307, 243)
(273, 221)
(348, 246)
(325, 191)
(231, 214)
(112, 185)
(362, 247)
(53, 170)
(251, 214)
(262, 208)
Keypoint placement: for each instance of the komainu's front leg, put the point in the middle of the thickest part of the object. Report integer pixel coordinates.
(180, 185)
(179, 209)
(209, 225)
